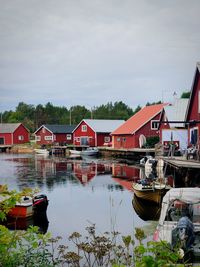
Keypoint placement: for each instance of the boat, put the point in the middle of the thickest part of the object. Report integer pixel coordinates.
(179, 221)
(150, 190)
(89, 151)
(146, 210)
(42, 151)
(28, 206)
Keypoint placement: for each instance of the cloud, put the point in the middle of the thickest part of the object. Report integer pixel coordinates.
(71, 52)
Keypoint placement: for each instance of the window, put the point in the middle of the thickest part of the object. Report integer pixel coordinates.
(107, 139)
(21, 137)
(69, 137)
(84, 128)
(38, 138)
(154, 125)
(48, 138)
(78, 139)
(124, 139)
(118, 139)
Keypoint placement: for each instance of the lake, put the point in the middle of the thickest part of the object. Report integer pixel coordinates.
(80, 191)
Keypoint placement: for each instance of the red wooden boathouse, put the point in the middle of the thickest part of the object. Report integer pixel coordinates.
(13, 134)
(193, 110)
(94, 132)
(144, 123)
(54, 134)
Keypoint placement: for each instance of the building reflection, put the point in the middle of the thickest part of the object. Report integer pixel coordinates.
(125, 175)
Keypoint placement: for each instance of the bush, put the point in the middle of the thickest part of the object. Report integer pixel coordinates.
(151, 141)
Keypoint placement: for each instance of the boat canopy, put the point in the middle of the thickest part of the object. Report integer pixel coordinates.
(190, 195)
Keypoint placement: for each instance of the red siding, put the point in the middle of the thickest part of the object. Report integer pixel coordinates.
(101, 138)
(23, 132)
(132, 141)
(43, 132)
(7, 138)
(20, 136)
(57, 138)
(90, 134)
(193, 111)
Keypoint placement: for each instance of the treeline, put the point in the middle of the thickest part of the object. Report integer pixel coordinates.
(34, 116)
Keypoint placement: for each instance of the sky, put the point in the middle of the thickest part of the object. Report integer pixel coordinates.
(91, 52)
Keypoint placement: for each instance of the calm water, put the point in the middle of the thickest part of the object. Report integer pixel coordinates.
(79, 191)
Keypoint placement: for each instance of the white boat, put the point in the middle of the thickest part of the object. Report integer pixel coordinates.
(43, 151)
(89, 151)
(179, 221)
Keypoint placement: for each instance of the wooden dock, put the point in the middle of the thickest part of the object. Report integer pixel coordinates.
(181, 162)
(131, 154)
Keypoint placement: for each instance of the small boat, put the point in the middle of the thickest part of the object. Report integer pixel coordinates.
(28, 206)
(179, 221)
(89, 151)
(42, 151)
(152, 191)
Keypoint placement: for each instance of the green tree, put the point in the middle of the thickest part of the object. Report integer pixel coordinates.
(185, 94)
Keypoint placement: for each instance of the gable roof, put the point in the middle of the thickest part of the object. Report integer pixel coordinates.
(102, 126)
(139, 119)
(8, 127)
(56, 128)
(177, 111)
(197, 72)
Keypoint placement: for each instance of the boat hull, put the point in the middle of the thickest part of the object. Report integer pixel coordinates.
(29, 206)
(150, 194)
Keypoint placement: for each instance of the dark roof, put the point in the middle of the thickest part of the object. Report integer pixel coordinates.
(8, 127)
(54, 128)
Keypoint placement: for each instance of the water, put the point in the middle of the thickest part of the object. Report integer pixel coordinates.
(80, 192)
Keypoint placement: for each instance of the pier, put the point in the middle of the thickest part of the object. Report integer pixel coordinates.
(134, 154)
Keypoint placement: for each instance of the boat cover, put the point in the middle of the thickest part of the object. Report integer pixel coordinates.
(190, 195)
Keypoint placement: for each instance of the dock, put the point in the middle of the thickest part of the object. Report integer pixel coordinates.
(134, 154)
(181, 162)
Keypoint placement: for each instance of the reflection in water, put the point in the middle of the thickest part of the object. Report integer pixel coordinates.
(79, 191)
(146, 210)
(41, 221)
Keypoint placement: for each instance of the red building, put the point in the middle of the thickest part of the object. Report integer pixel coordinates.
(193, 110)
(133, 132)
(13, 134)
(94, 132)
(54, 134)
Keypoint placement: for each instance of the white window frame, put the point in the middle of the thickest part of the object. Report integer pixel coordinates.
(37, 138)
(84, 128)
(68, 137)
(20, 137)
(118, 139)
(106, 139)
(48, 138)
(155, 121)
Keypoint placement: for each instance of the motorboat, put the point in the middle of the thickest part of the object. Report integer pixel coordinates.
(179, 222)
(41, 151)
(89, 151)
(150, 190)
(28, 206)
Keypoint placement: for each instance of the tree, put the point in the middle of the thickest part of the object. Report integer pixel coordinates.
(185, 94)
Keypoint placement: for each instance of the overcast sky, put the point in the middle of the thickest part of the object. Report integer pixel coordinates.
(91, 52)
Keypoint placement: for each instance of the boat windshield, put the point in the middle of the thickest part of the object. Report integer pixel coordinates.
(180, 209)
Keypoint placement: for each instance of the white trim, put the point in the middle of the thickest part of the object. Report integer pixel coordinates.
(44, 127)
(12, 138)
(154, 121)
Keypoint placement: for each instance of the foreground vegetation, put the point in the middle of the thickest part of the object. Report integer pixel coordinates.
(31, 248)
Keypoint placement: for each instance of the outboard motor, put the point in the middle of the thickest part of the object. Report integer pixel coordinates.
(183, 234)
